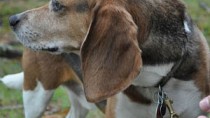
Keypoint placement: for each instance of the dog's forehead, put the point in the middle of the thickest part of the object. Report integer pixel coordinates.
(76, 5)
(71, 2)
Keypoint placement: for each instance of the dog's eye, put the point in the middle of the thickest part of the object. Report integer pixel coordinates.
(56, 6)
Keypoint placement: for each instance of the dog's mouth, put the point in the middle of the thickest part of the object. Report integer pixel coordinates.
(53, 49)
(44, 48)
(58, 50)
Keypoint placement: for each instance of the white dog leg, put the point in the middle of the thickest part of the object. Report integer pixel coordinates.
(79, 105)
(14, 81)
(35, 101)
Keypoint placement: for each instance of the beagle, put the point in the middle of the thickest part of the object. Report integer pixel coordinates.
(131, 51)
(42, 74)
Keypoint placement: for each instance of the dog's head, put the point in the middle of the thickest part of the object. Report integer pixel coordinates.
(57, 27)
(103, 30)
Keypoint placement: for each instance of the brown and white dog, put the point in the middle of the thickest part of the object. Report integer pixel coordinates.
(127, 48)
(43, 73)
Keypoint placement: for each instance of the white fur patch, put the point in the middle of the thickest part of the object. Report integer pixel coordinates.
(186, 27)
(14, 81)
(150, 75)
(35, 101)
(128, 109)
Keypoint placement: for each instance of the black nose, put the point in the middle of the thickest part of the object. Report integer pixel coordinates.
(13, 20)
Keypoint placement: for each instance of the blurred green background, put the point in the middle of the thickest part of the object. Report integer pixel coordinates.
(11, 100)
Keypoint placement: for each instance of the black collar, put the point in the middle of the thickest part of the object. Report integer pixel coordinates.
(178, 64)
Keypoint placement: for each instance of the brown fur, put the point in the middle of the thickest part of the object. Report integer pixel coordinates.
(110, 63)
(202, 76)
(134, 95)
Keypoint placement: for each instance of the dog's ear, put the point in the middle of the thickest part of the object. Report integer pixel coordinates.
(111, 57)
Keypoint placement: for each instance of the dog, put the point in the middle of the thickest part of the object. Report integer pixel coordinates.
(135, 53)
(44, 73)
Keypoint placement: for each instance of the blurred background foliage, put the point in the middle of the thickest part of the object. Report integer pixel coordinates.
(11, 100)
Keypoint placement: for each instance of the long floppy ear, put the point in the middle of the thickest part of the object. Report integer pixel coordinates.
(111, 58)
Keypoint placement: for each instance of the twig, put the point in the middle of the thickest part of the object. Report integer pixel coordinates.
(11, 107)
(9, 52)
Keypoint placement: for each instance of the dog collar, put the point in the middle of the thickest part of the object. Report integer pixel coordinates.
(163, 100)
(178, 64)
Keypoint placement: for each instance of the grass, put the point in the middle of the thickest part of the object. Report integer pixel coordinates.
(10, 97)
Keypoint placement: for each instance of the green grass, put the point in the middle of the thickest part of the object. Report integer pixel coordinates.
(10, 97)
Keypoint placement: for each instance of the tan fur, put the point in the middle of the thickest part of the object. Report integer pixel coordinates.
(50, 70)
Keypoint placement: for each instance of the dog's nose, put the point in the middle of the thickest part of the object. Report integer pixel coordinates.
(13, 20)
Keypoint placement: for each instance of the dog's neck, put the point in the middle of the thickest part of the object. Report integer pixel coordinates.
(162, 34)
